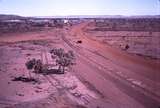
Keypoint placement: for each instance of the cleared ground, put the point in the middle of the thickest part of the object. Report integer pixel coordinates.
(103, 77)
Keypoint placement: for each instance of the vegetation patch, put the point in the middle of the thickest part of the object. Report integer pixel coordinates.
(59, 56)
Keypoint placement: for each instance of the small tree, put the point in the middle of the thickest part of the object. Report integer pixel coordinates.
(35, 65)
(63, 59)
(38, 66)
(30, 65)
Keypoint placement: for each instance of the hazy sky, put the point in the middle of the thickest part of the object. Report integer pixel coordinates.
(79, 7)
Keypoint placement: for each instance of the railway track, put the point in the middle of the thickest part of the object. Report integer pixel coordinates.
(59, 86)
(150, 99)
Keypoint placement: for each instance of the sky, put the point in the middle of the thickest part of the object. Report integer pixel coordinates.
(79, 7)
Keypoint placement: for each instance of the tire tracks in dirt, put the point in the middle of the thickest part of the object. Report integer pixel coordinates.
(148, 98)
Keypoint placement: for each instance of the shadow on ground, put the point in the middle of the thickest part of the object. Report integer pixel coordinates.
(32, 79)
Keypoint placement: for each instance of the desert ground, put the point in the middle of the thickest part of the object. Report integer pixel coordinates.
(105, 76)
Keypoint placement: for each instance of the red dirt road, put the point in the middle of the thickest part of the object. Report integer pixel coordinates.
(115, 73)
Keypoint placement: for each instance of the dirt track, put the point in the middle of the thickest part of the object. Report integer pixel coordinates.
(124, 69)
(121, 80)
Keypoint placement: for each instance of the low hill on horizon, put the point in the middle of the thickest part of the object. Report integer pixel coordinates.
(12, 17)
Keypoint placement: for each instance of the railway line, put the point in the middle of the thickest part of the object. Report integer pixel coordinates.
(141, 94)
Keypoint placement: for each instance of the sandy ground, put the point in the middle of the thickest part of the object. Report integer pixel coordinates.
(103, 77)
(52, 91)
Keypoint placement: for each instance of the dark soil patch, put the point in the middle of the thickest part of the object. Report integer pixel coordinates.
(52, 71)
(24, 79)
